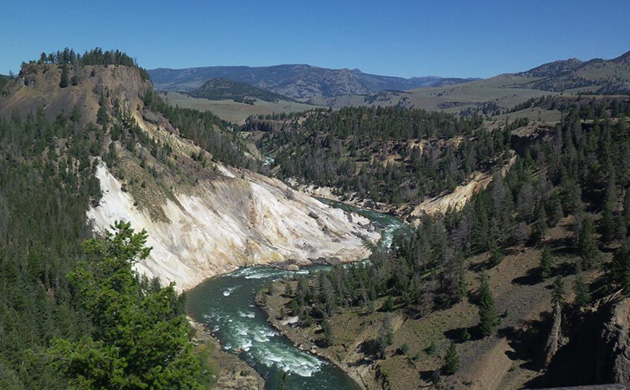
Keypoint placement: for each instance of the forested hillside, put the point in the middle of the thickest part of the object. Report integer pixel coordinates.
(390, 155)
(221, 89)
(576, 173)
(44, 194)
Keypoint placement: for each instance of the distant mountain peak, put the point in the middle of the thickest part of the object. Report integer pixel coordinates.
(623, 59)
(593, 76)
(554, 68)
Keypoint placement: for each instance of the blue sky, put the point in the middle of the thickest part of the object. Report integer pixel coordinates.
(400, 38)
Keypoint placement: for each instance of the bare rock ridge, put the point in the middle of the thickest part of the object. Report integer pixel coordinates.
(592, 347)
(202, 219)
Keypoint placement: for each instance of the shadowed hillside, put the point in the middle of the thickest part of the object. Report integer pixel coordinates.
(221, 89)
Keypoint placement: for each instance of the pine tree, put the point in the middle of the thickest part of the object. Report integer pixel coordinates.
(626, 208)
(496, 255)
(581, 289)
(587, 245)
(546, 262)
(451, 360)
(540, 226)
(136, 329)
(388, 305)
(101, 114)
(329, 337)
(608, 218)
(488, 317)
(620, 268)
(64, 76)
(558, 293)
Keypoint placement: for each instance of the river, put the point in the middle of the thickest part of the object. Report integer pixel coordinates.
(226, 304)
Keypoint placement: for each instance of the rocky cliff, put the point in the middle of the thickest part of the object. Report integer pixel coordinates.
(237, 219)
(614, 351)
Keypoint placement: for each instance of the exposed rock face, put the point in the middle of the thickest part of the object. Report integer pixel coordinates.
(616, 340)
(239, 219)
(554, 340)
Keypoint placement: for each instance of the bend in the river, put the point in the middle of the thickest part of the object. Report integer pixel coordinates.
(226, 304)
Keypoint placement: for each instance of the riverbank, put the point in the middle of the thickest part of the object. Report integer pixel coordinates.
(308, 340)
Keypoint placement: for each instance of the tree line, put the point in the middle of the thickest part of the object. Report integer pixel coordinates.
(95, 56)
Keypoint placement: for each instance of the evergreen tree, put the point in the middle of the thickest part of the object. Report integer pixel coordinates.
(620, 268)
(101, 114)
(558, 293)
(546, 262)
(587, 245)
(608, 219)
(581, 289)
(64, 76)
(541, 226)
(496, 254)
(626, 208)
(488, 317)
(451, 360)
(140, 337)
(388, 305)
(329, 337)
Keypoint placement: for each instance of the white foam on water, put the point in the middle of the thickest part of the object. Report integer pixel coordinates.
(249, 314)
(291, 361)
(229, 291)
(263, 275)
(257, 273)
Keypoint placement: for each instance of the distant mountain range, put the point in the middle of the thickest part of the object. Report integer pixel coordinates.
(294, 81)
(505, 91)
(597, 75)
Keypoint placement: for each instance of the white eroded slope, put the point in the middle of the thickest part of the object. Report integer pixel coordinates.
(239, 219)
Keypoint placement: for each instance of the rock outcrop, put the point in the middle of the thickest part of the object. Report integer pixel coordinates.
(615, 343)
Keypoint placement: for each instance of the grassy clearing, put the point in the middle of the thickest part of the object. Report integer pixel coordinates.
(232, 111)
